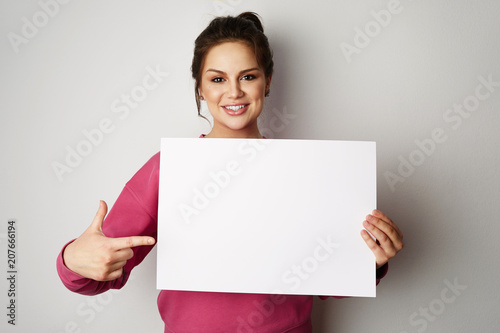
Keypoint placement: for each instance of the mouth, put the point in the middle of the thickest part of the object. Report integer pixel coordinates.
(236, 109)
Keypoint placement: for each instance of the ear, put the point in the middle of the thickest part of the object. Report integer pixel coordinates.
(268, 81)
(268, 84)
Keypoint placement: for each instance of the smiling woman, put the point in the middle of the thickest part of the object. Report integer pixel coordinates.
(232, 67)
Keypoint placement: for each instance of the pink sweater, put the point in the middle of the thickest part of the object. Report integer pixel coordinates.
(135, 213)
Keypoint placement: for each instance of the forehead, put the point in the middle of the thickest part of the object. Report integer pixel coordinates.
(230, 56)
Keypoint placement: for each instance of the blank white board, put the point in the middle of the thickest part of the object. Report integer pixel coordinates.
(266, 216)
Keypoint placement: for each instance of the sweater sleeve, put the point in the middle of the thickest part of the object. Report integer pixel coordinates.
(133, 214)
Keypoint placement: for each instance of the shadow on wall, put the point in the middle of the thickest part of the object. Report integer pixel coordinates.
(278, 116)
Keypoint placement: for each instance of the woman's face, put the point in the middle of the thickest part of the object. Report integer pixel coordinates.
(234, 87)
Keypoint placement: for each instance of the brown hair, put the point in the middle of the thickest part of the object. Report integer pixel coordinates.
(246, 28)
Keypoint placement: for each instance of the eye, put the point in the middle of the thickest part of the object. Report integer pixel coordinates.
(248, 77)
(217, 79)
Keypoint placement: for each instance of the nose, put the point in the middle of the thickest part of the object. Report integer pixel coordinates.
(235, 90)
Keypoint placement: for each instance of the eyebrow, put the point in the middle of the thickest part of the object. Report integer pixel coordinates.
(224, 73)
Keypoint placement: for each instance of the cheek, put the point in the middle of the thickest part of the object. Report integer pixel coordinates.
(213, 90)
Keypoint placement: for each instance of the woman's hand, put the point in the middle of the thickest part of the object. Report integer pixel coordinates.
(97, 257)
(389, 239)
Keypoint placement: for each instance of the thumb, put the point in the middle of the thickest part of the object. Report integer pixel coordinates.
(99, 217)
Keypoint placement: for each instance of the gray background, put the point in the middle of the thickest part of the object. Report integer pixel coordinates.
(398, 89)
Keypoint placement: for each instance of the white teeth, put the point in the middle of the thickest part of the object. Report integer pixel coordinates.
(235, 108)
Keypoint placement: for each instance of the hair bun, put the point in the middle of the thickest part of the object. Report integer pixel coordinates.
(251, 16)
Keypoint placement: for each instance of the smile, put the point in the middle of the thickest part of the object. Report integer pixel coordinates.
(235, 110)
(234, 107)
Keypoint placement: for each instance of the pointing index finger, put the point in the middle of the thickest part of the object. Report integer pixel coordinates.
(132, 241)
